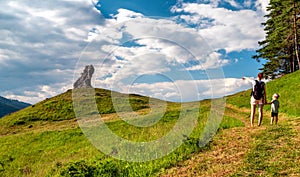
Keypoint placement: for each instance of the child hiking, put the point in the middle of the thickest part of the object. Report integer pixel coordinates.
(274, 109)
(258, 97)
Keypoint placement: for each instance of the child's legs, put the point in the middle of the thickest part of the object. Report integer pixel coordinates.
(272, 120)
(276, 119)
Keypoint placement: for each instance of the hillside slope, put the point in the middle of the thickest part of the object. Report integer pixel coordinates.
(288, 87)
(8, 106)
(253, 151)
(40, 141)
(45, 139)
(60, 107)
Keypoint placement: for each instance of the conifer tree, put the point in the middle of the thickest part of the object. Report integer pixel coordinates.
(280, 48)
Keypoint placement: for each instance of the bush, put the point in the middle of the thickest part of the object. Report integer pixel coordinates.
(104, 168)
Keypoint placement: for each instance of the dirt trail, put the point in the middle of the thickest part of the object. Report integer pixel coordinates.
(225, 156)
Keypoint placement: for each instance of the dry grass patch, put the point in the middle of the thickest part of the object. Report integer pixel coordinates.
(227, 150)
(225, 157)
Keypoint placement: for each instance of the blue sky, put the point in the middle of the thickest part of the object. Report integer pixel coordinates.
(175, 50)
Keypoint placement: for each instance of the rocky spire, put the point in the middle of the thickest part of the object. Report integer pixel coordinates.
(84, 81)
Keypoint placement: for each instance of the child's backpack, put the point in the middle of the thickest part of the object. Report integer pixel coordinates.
(258, 90)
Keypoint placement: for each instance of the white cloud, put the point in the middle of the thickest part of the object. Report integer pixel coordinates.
(125, 15)
(233, 3)
(262, 5)
(128, 49)
(38, 39)
(29, 95)
(188, 90)
(159, 45)
(229, 30)
(247, 3)
(41, 42)
(212, 60)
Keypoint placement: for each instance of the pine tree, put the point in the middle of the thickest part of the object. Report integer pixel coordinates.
(280, 48)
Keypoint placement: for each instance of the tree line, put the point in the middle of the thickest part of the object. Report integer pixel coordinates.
(280, 48)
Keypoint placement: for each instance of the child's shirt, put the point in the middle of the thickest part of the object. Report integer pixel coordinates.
(275, 106)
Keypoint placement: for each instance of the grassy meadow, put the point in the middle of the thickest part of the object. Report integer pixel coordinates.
(288, 89)
(46, 140)
(268, 150)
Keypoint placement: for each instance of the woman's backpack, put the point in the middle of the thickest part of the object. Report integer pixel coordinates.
(258, 90)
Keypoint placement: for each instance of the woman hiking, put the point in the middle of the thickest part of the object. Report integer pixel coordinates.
(258, 97)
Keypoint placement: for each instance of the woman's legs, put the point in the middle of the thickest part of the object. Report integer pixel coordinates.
(260, 116)
(253, 107)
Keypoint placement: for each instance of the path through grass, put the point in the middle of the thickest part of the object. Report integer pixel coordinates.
(274, 151)
(248, 151)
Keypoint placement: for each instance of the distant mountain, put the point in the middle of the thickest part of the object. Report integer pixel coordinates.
(8, 106)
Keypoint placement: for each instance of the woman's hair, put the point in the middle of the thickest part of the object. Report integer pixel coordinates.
(260, 75)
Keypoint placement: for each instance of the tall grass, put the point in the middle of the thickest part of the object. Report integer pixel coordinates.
(36, 153)
(42, 151)
(67, 152)
(274, 153)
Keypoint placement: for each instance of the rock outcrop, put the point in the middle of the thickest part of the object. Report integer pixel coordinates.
(84, 81)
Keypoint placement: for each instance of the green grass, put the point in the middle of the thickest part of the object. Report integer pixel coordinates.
(288, 89)
(230, 122)
(41, 151)
(55, 109)
(61, 108)
(275, 150)
(36, 153)
(114, 167)
(273, 153)
(45, 139)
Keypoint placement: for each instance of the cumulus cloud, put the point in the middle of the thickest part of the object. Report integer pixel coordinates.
(40, 43)
(43, 47)
(35, 94)
(227, 29)
(189, 90)
(262, 5)
(162, 46)
(144, 45)
(125, 15)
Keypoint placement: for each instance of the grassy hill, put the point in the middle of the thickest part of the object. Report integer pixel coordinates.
(45, 139)
(268, 150)
(288, 89)
(60, 107)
